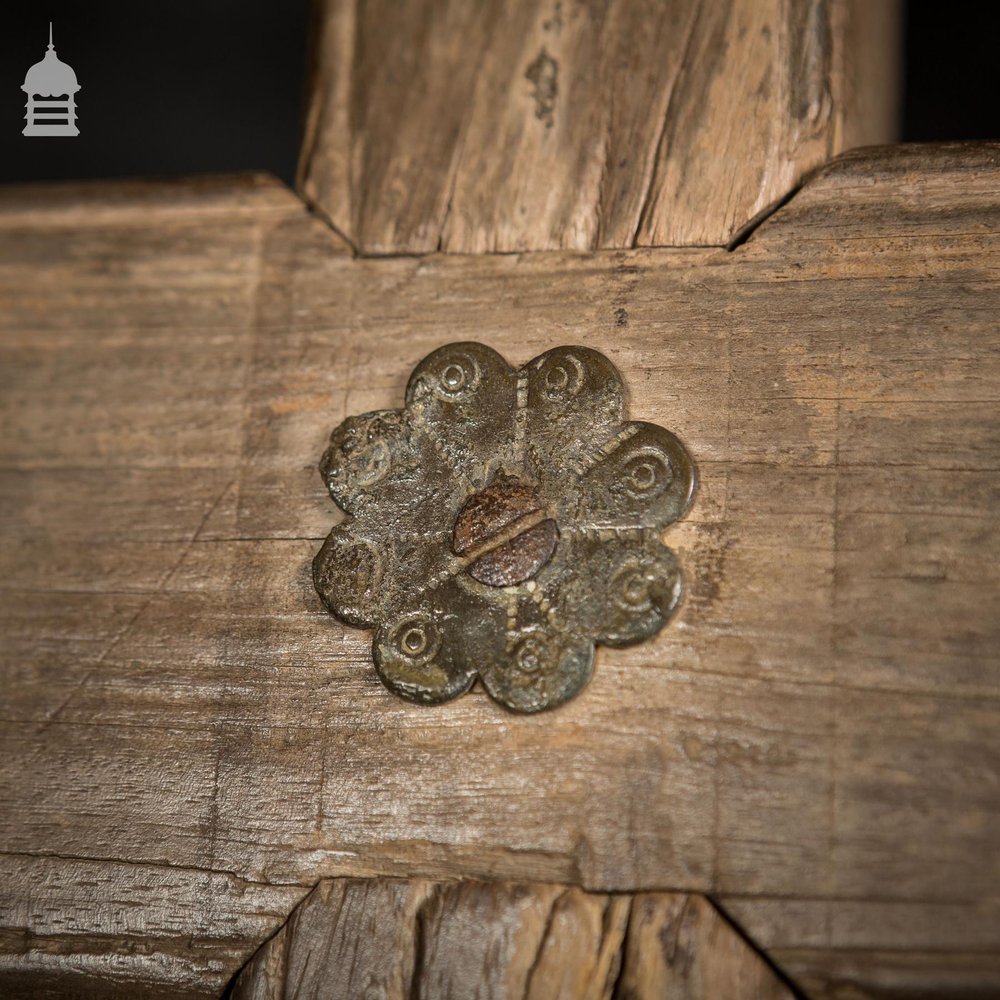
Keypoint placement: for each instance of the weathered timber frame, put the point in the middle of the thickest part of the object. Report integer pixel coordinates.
(200, 771)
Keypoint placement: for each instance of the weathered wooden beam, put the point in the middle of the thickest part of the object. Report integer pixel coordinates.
(412, 939)
(103, 928)
(561, 124)
(818, 729)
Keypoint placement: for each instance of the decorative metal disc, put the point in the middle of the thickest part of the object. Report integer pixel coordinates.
(501, 524)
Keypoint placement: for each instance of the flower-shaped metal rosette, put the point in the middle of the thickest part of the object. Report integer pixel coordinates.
(501, 524)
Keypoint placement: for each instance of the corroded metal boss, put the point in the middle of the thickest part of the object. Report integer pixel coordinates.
(502, 523)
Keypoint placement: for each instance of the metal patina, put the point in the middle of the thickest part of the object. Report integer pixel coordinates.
(502, 523)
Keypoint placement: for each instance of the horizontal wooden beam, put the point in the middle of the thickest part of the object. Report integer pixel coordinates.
(817, 729)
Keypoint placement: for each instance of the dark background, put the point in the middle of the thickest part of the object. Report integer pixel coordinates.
(190, 87)
(168, 88)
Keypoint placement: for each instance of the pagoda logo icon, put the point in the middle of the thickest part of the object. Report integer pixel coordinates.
(51, 87)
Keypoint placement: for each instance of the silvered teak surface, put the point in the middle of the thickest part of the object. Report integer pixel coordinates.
(502, 523)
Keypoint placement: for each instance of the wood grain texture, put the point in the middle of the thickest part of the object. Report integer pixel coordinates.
(563, 124)
(818, 731)
(415, 939)
(102, 928)
(862, 948)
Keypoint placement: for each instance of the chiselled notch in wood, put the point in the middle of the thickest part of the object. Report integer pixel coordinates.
(413, 939)
(559, 124)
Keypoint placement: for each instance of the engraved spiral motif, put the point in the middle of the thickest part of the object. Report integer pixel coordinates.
(456, 375)
(647, 473)
(529, 656)
(629, 587)
(562, 376)
(532, 662)
(416, 639)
